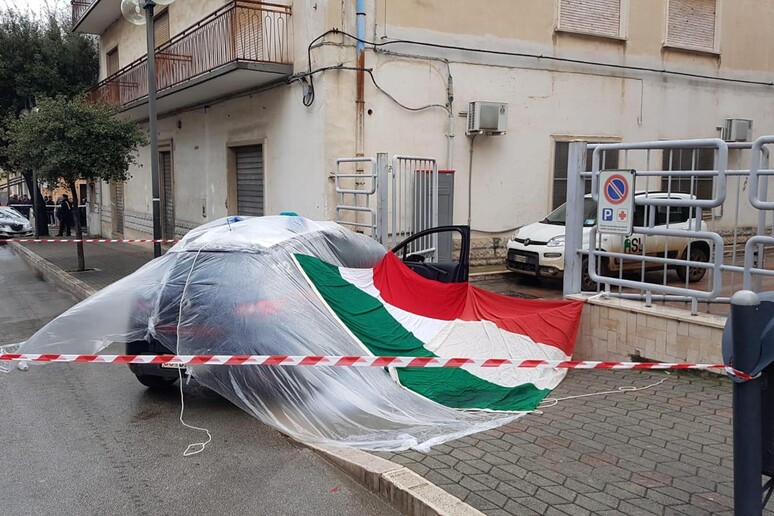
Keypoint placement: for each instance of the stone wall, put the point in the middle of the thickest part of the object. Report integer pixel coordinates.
(622, 330)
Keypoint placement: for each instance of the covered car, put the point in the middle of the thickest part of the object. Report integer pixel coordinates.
(235, 287)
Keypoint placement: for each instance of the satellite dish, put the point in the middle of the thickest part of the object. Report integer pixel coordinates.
(133, 11)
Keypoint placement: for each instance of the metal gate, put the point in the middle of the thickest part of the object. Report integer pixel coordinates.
(168, 195)
(690, 194)
(389, 201)
(249, 176)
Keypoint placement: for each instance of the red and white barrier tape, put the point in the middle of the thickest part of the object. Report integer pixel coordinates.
(90, 240)
(359, 361)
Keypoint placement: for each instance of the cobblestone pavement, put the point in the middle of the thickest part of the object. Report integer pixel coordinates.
(663, 450)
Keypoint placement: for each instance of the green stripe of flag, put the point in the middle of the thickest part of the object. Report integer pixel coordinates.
(368, 319)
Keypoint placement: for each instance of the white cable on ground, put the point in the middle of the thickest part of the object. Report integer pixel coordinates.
(628, 388)
(192, 448)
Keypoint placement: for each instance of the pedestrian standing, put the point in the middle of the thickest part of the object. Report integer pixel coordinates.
(65, 214)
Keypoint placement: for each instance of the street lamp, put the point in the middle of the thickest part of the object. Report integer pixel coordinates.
(132, 11)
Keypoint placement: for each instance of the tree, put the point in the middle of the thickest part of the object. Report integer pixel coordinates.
(40, 57)
(67, 140)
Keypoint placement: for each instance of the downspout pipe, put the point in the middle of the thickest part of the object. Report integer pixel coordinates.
(360, 100)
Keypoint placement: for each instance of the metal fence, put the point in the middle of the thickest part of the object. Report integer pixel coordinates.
(389, 200)
(241, 31)
(701, 221)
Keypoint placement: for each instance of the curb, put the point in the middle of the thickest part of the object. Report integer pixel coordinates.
(402, 488)
(77, 288)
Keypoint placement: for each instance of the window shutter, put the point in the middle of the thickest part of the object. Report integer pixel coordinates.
(601, 17)
(692, 24)
(161, 28)
(112, 61)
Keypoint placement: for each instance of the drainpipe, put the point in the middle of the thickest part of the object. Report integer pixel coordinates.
(450, 132)
(360, 101)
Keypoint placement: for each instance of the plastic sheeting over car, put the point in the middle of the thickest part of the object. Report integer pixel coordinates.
(232, 287)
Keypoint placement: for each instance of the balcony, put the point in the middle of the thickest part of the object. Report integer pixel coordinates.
(242, 46)
(94, 16)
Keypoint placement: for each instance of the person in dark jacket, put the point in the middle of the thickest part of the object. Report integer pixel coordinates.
(65, 214)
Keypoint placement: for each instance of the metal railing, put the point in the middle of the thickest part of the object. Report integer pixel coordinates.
(693, 212)
(243, 30)
(79, 8)
(413, 205)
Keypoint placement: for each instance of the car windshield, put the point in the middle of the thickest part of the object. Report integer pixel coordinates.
(558, 217)
(10, 213)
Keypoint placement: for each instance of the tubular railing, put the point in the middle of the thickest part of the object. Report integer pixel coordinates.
(243, 30)
(79, 8)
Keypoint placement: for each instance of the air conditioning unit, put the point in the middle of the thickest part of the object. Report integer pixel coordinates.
(489, 118)
(736, 130)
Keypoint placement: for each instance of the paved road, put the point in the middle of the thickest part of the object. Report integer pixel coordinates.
(91, 440)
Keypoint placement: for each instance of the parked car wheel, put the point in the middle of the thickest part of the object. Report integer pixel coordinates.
(587, 284)
(694, 274)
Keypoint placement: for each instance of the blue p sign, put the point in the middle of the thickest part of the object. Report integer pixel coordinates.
(607, 214)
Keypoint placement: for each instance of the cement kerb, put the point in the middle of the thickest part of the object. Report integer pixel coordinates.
(405, 490)
(401, 487)
(75, 287)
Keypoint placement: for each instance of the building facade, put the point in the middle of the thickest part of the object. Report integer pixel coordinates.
(257, 100)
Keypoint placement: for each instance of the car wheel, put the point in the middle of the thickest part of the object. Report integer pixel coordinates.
(587, 284)
(156, 383)
(698, 254)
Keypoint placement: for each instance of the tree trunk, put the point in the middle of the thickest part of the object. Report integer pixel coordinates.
(41, 219)
(78, 228)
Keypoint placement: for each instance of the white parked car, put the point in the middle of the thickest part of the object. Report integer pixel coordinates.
(13, 224)
(538, 249)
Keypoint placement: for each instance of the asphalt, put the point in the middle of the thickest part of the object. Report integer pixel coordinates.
(665, 449)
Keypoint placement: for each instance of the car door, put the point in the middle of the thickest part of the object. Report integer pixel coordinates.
(420, 252)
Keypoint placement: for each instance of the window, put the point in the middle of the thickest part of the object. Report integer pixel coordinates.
(689, 159)
(598, 17)
(112, 61)
(561, 158)
(692, 24)
(161, 28)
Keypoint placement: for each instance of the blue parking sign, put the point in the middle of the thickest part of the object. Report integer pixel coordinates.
(607, 214)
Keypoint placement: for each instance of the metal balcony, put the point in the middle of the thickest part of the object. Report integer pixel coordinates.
(242, 46)
(94, 16)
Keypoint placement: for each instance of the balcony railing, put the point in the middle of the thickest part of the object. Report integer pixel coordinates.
(243, 30)
(79, 9)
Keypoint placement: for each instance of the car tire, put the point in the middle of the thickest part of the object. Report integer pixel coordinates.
(587, 285)
(698, 254)
(156, 383)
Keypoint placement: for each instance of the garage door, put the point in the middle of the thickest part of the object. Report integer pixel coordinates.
(249, 169)
(117, 191)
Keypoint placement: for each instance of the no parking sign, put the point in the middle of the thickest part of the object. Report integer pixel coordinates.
(616, 202)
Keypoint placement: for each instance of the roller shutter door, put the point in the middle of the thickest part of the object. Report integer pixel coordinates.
(249, 169)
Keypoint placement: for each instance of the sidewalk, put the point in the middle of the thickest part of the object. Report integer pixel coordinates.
(662, 450)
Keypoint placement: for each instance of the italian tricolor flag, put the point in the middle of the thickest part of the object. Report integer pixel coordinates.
(392, 311)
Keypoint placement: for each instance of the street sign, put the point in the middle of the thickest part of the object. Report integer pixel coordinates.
(615, 210)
